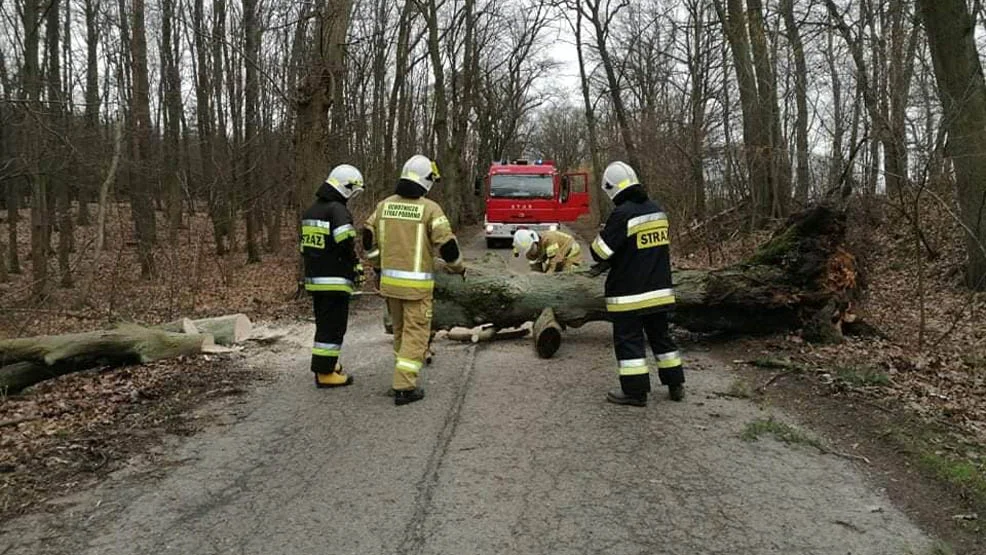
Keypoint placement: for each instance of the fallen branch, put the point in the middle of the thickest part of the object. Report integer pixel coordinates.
(776, 377)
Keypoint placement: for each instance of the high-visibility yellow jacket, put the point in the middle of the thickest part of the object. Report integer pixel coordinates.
(407, 235)
(554, 250)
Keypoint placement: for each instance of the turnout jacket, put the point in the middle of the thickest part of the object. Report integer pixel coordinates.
(403, 236)
(553, 249)
(328, 241)
(636, 245)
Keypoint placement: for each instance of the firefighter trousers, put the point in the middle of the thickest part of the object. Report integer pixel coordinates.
(631, 334)
(331, 318)
(411, 321)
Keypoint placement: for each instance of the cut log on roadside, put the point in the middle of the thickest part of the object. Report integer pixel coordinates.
(546, 334)
(225, 330)
(27, 361)
(804, 278)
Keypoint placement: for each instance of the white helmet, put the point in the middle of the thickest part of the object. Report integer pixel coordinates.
(618, 177)
(346, 179)
(524, 240)
(421, 170)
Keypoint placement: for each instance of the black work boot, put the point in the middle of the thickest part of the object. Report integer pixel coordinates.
(408, 396)
(676, 392)
(617, 396)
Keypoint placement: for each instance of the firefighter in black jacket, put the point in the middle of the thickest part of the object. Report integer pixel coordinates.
(332, 269)
(634, 246)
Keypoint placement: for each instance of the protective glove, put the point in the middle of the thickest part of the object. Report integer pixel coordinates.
(597, 269)
(359, 278)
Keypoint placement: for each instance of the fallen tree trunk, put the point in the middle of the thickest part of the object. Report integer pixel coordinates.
(27, 361)
(804, 278)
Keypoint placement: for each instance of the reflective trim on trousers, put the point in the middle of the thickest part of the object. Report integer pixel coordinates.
(326, 349)
(343, 232)
(669, 360)
(633, 367)
(650, 299)
(328, 284)
(408, 365)
(601, 248)
(575, 251)
(646, 222)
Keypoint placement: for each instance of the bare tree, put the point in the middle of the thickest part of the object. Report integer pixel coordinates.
(141, 202)
(962, 89)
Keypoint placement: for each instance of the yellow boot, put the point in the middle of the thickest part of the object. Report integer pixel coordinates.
(334, 379)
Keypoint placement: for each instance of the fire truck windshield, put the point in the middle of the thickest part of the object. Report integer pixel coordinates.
(522, 186)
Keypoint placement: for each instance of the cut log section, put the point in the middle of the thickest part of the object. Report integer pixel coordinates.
(225, 330)
(546, 334)
(804, 278)
(27, 361)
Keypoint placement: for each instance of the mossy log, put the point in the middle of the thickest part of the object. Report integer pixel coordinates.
(804, 278)
(30, 360)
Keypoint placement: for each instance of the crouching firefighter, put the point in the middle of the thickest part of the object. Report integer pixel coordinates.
(635, 247)
(332, 269)
(405, 233)
(548, 251)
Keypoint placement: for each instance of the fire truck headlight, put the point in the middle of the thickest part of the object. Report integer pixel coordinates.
(489, 228)
(553, 227)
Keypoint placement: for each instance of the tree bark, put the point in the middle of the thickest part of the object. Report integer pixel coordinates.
(141, 201)
(171, 83)
(251, 41)
(962, 89)
(801, 99)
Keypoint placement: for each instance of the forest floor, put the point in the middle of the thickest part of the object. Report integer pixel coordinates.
(860, 427)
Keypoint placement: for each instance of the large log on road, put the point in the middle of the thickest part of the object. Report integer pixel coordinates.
(804, 278)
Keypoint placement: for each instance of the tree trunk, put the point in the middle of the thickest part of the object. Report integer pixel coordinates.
(756, 137)
(141, 200)
(600, 202)
(171, 83)
(803, 278)
(600, 22)
(801, 99)
(962, 89)
(251, 89)
(13, 217)
(778, 188)
(27, 361)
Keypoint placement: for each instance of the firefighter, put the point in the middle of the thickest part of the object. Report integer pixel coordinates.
(403, 236)
(548, 251)
(634, 247)
(332, 269)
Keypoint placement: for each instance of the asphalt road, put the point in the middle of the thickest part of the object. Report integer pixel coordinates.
(507, 454)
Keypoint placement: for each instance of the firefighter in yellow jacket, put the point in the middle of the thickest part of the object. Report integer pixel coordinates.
(402, 237)
(548, 251)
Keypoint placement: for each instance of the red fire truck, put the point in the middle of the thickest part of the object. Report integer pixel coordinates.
(532, 195)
